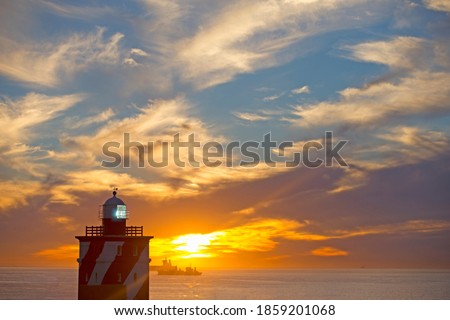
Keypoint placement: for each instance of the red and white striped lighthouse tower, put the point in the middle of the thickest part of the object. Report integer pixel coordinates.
(114, 258)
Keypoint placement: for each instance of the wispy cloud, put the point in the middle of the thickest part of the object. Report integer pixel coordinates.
(390, 148)
(353, 178)
(75, 183)
(138, 52)
(410, 226)
(410, 139)
(418, 89)
(23, 122)
(19, 117)
(245, 211)
(78, 122)
(441, 5)
(77, 12)
(421, 93)
(329, 252)
(63, 221)
(300, 90)
(416, 85)
(273, 97)
(264, 89)
(250, 116)
(399, 52)
(221, 48)
(48, 63)
(272, 112)
(16, 193)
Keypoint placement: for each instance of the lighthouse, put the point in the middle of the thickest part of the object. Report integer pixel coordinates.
(114, 258)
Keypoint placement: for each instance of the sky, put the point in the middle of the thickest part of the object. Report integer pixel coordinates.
(75, 75)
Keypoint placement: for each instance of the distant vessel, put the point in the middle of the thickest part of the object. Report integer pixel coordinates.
(168, 270)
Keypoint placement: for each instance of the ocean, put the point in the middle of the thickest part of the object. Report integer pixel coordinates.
(41, 283)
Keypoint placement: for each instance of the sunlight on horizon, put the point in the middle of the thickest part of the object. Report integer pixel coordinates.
(195, 245)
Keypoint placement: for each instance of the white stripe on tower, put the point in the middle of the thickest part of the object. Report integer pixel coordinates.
(141, 269)
(104, 261)
(84, 247)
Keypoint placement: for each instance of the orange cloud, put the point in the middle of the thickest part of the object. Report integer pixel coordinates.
(63, 252)
(245, 211)
(98, 180)
(258, 235)
(328, 252)
(16, 193)
(63, 221)
(410, 226)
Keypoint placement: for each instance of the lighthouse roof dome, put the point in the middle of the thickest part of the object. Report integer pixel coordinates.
(114, 201)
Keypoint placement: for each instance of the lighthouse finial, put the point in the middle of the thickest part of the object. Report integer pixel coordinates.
(115, 191)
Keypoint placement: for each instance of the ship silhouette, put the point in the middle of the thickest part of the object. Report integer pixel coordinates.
(167, 269)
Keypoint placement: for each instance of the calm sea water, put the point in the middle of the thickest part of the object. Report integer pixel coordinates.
(36, 283)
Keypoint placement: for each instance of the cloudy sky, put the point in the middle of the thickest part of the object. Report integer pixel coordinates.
(78, 74)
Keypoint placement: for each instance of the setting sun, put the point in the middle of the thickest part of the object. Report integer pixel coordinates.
(195, 245)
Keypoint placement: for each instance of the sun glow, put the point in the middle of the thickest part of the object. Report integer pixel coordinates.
(195, 244)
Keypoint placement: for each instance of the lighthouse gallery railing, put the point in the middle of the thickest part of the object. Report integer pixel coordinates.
(97, 231)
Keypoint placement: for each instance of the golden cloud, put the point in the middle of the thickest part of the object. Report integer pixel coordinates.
(258, 235)
(63, 252)
(45, 63)
(16, 193)
(246, 211)
(328, 252)
(75, 167)
(441, 5)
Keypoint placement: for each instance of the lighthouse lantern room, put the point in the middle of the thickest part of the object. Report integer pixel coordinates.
(114, 258)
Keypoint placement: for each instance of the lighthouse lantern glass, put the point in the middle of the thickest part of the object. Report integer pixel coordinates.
(121, 212)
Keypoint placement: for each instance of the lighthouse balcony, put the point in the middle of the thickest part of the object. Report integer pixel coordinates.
(98, 231)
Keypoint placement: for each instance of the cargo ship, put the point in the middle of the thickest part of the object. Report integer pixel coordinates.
(167, 269)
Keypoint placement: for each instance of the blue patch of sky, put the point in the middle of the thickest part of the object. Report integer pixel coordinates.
(325, 71)
(12, 89)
